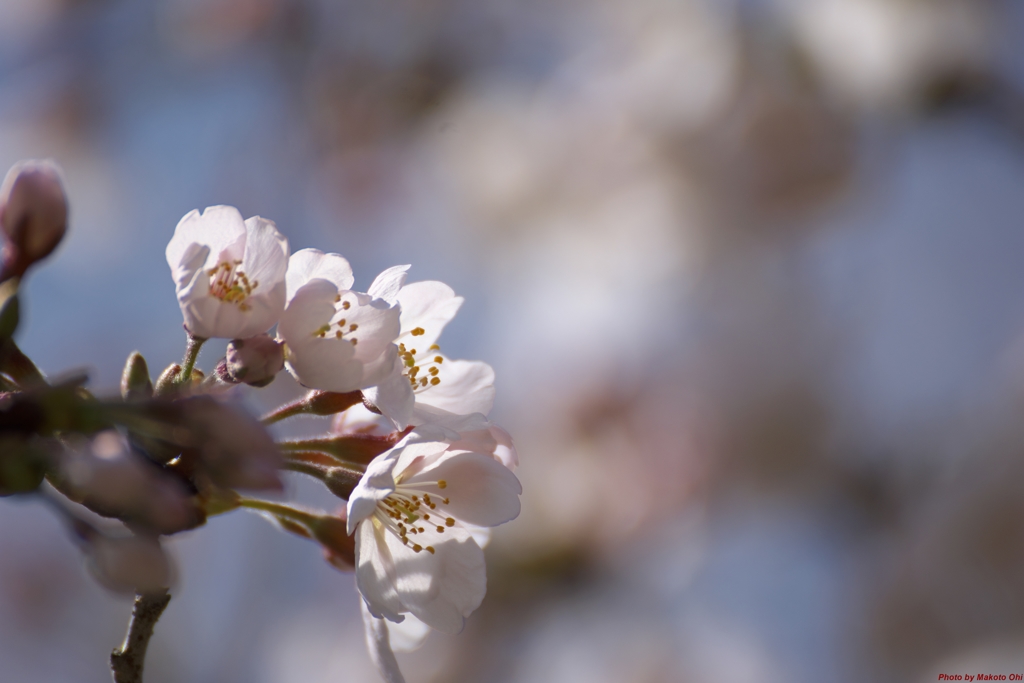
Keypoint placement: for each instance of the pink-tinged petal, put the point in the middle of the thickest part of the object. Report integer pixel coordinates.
(408, 634)
(335, 348)
(373, 322)
(208, 316)
(492, 439)
(466, 387)
(264, 311)
(426, 306)
(416, 456)
(317, 362)
(478, 440)
(309, 308)
(376, 575)
(506, 452)
(393, 396)
(266, 255)
(379, 646)
(386, 285)
(443, 587)
(193, 261)
(312, 264)
(480, 490)
(218, 227)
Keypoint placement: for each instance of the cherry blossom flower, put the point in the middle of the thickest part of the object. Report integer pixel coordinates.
(229, 273)
(337, 339)
(108, 477)
(413, 513)
(424, 385)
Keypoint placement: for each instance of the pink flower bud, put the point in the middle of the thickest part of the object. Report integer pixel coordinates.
(128, 564)
(33, 213)
(254, 361)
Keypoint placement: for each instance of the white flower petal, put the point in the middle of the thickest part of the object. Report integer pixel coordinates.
(480, 490)
(480, 534)
(491, 439)
(376, 484)
(428, 305)
(407, 635)
(376, 571)
(441, 588)
(466, 387)
(505, 452)
(386, 285)
(218, 227)
(306, 265)
(379, 646)
(377, 371)
(377, 327)
(193, 259)
(393, 396)
(266, 255)
(338, 341)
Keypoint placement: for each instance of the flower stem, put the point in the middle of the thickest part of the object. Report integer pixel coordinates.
(315, 403)
(340, 479)
(278, 509)
(191, 354)
(285, 411)
(127, 661)
(354, 449)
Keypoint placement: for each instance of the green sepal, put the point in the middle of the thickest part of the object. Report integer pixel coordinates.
(135, 382)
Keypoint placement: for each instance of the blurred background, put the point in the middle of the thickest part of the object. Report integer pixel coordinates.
(750, 273)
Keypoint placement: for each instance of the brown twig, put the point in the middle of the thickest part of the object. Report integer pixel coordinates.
(127, 661)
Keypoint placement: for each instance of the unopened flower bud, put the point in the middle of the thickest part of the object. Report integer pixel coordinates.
(135, 382)
(166, 383)
(33, 213)
(129, 564)
(254, 361)
(341, 481)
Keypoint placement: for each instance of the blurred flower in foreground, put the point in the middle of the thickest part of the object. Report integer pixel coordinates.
(108, 477)
(128, 564)
(880, 55)
(229, 273)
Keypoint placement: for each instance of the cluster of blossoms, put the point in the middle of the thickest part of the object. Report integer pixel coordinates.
(424, 474)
